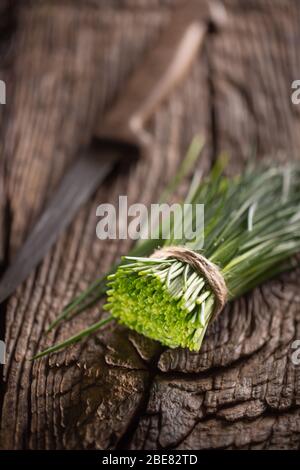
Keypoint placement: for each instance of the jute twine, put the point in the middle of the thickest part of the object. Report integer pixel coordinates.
(204, 267)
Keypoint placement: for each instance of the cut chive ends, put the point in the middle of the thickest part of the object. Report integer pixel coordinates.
(165, 300)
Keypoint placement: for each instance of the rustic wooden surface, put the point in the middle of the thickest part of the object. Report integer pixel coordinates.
(64, 61)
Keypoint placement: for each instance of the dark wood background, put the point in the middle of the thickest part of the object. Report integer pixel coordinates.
(63, 62)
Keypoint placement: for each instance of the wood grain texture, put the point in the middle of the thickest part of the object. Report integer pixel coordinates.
(118, 389)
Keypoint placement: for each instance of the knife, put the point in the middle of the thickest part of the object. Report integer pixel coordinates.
(163, 69)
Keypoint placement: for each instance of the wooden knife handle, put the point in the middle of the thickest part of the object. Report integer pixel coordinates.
(163, 69)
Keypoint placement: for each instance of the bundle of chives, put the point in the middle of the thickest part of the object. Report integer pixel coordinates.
(251, 232)
(252, 228)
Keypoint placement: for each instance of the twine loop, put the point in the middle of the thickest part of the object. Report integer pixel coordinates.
(204, 267)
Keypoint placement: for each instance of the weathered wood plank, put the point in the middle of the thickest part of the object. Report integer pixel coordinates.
(119, 389)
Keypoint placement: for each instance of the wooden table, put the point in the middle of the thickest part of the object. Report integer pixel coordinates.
(63, 62)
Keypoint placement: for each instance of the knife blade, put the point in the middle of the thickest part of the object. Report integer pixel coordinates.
(163, 69)
(90, 172)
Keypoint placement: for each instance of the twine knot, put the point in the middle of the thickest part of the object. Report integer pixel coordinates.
(204, 267)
